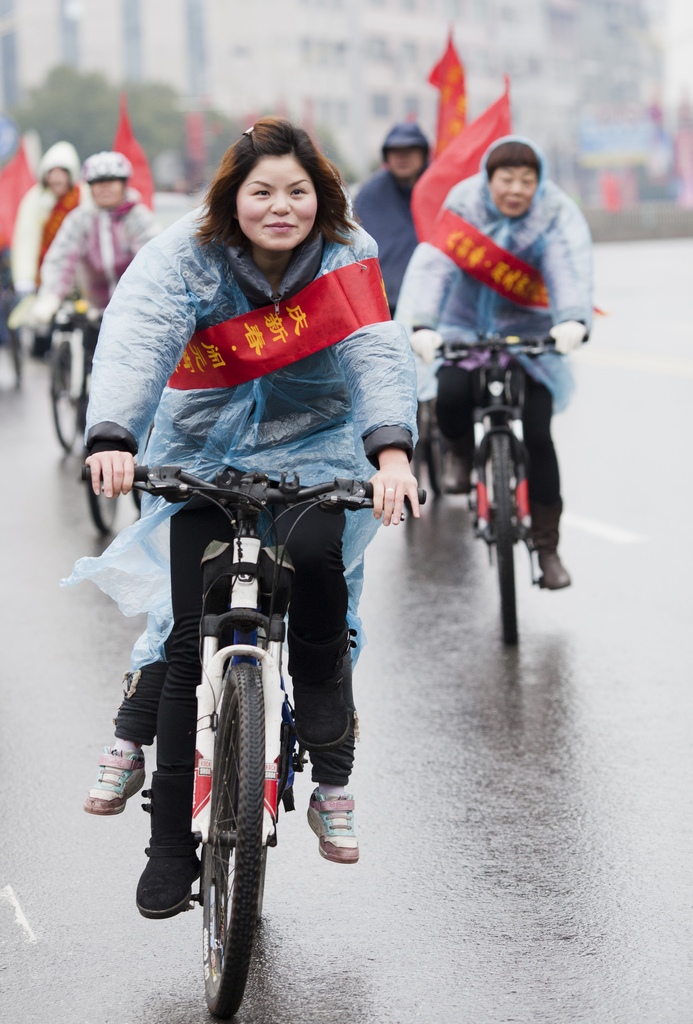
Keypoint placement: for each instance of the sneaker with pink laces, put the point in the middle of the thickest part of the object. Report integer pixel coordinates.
(120, 777)
(333, 822)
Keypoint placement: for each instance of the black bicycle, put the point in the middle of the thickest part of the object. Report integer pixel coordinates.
(246, 751)
(500, 492)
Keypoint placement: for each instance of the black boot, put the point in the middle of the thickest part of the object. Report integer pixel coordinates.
(164, 888)
(458, 464)
(321, 716)
(335, 766)
(544, 536)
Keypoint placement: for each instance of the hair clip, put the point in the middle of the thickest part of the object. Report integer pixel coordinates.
(248, 131)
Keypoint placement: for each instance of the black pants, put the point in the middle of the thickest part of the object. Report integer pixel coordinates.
(317, 614)
(454, 407)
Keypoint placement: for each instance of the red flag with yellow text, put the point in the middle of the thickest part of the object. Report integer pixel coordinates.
(16, 178)
(448, 76)
(126, 143)
(460, 160)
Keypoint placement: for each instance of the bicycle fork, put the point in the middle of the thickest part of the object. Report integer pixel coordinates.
(482, 444)
(244, 595)
(209, 695)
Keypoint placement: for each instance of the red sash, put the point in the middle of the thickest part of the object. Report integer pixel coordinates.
(248, 346)
(55, 218)
(476, 254)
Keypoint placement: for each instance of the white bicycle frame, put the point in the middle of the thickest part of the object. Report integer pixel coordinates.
(244, 594)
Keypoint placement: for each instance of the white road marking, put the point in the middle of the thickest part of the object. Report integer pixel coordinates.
(7, 894)
(613, 533)
(671, 365)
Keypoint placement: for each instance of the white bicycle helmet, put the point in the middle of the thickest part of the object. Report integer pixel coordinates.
(106, 166)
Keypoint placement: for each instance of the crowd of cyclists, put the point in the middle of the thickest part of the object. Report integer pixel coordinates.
(254, 335)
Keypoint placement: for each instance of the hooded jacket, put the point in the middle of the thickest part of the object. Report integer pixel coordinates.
(314, 416)
(33, 213)
(552, 236)
(383, 206)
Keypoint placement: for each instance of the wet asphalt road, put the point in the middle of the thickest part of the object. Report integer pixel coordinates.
(525, 815)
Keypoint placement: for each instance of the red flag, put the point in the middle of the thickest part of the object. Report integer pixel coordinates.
(448, 76)
(16, 178)
(460, 160)
(126, 143)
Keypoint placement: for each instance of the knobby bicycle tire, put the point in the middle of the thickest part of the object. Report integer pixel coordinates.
(261, 887)
(232, 859)
(65, 407)
(504, 532)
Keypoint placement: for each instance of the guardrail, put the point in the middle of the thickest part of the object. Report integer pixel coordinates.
(646, 220)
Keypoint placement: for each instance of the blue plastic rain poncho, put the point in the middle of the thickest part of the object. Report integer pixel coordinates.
(552, 236)
(310, 416)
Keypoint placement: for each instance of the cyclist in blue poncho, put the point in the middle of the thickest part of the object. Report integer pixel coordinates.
(510, 254)
(205, 335)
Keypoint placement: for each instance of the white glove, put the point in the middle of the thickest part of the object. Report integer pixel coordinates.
(568, 335)
(425, 343)
(43, 310)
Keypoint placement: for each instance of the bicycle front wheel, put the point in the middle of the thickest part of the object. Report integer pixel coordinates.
(504, 531)
(232, 859)
(429, 448)
(103, 510)
(65, 406)
(17, 355)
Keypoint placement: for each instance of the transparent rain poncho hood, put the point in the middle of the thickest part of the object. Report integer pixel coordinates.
(552, 236)
(309, 417)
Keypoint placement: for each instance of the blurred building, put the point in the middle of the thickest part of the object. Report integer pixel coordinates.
(354, 67)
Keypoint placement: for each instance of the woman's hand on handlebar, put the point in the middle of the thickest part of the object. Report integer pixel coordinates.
(116, 470)
(391, 484)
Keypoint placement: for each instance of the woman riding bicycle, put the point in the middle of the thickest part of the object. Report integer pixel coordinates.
(511, 255)
(96, 242)
(320, 392)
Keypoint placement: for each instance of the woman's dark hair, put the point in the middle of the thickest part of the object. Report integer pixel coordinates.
(274, 136)
(512, 154)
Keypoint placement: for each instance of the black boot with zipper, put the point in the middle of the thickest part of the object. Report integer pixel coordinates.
(165, 886)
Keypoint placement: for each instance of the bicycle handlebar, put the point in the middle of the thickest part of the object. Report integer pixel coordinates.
(498, 342)
(73, 311)
(175, 484)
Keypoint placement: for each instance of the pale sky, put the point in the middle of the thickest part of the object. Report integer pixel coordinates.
(678, 50)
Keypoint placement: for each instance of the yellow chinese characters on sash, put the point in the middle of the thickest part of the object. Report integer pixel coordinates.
(479, 256)
(248, 346)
